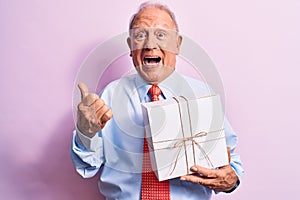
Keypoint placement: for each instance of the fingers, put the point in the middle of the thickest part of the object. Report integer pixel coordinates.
(93, 113)
(203, 176)
(206, 173)
(103, 112)
(222, 179)
(209, 173)
(192, 178)
(107, 116)
(228, 152)
(207, 182)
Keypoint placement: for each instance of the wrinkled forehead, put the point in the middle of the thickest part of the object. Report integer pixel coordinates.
(157, 29)
(153, 17)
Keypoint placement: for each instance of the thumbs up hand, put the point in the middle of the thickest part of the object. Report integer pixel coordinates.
(93, 113)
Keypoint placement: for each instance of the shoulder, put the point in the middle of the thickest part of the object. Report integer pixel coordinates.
(119, 85)
(121, 82)
(198, 86)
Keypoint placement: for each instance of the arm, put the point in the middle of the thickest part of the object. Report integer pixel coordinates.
(87, 145)
(87, 159)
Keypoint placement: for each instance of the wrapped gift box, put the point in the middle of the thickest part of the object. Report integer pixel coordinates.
(184, 132)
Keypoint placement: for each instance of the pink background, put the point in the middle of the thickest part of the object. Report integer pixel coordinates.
(254, 44)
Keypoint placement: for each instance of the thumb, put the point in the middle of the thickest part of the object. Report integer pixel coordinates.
(83, 90)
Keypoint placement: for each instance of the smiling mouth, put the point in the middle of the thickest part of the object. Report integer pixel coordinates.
(151, 60)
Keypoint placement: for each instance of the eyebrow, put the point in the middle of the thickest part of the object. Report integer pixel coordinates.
(160, 27)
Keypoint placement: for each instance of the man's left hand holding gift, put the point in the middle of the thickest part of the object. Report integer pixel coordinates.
(221, 179)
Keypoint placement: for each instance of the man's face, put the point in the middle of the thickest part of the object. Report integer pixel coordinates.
(154, 44)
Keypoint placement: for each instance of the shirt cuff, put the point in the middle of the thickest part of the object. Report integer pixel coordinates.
(91, 144)
(236, 185)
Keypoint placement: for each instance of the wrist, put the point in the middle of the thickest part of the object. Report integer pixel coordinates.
(237, 183)
(88, 133)
(90, 143)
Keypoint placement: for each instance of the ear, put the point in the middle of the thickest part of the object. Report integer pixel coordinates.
(179, 41)
(129, 45)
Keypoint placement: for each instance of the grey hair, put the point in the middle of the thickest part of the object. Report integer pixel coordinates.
(155, 4)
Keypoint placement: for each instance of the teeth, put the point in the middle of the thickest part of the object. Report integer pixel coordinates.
(150, 63)
(152, 60)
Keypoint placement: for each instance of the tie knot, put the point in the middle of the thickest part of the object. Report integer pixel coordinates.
(154, 91)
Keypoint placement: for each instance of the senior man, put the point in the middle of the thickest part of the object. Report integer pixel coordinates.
(115, 141)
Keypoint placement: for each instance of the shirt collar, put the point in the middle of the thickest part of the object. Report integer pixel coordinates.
(170, 87)
(142, 87)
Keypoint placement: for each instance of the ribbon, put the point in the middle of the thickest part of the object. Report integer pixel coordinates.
(181, 142)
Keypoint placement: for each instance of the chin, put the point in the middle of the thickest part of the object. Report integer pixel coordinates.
(152, 80)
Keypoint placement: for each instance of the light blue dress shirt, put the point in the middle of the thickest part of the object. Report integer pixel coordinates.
(118, 147)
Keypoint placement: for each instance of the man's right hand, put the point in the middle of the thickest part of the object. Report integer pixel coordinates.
(93, 113)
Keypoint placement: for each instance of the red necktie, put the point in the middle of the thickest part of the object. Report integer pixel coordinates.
(151, 187)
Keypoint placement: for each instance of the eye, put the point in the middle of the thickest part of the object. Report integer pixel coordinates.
(140, 36)
(161, 35)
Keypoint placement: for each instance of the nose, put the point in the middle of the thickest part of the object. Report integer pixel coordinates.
(150, 43)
